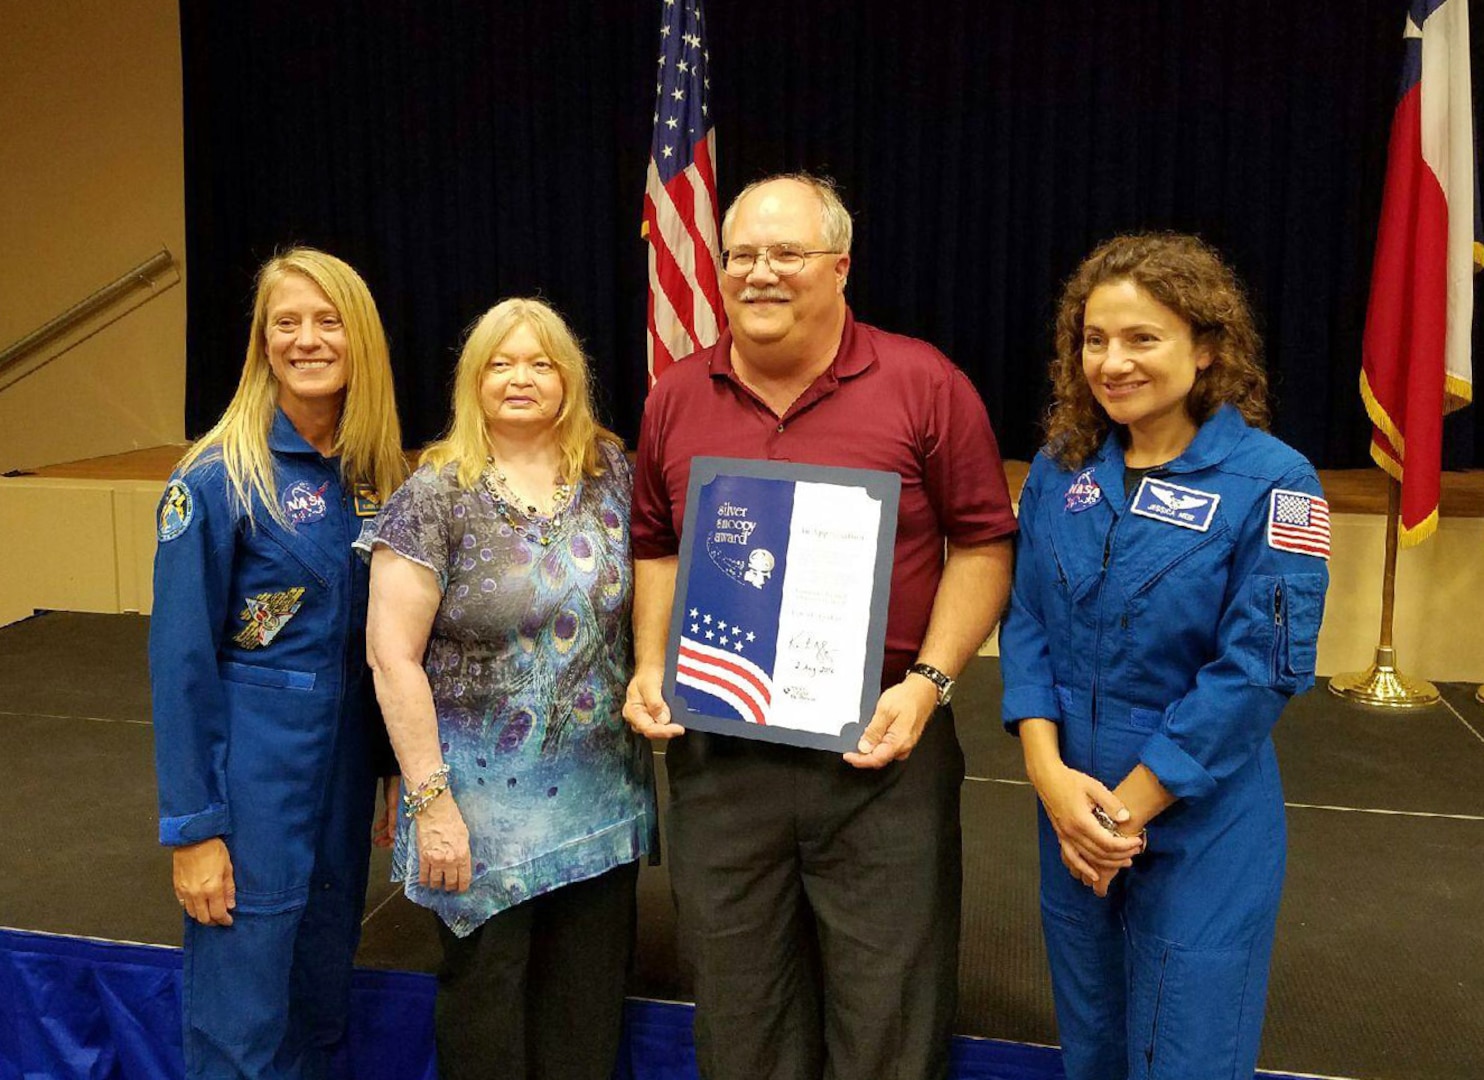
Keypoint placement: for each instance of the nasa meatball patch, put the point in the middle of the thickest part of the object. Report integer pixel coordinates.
(1186, 507)
(302, 502)
(1084, 493)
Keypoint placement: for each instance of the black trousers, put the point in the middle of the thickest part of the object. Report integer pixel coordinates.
(818, 906)
(536, 992)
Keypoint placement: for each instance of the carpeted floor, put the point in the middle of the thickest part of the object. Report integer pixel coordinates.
(1379, 970)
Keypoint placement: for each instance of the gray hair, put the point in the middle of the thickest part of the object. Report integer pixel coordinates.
(836, 228)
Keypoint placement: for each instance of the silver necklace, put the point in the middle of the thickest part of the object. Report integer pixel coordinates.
(526, 517)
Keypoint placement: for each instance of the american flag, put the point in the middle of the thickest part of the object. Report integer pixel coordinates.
(680, 206)
(1298, 522)
(723, 672)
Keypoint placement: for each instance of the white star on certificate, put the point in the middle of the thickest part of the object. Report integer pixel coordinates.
(751, 636)
(737, 645)
(694, 613)
(725, 641)
(695, 628)
(720, 625)
(710, 634)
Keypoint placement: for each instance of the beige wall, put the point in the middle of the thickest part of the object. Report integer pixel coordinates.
(91, 184)
(88, 545)
(76, 545)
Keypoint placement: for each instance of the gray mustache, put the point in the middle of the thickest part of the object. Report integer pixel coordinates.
(754, 293)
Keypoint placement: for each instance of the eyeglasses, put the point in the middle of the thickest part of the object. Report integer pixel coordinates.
(784, 259)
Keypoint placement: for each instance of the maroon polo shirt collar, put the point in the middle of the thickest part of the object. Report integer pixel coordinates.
(854, 357)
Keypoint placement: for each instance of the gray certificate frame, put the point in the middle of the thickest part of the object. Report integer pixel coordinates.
(883, 486)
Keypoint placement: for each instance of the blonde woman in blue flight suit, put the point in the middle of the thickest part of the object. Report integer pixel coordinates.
(1168, 590)
(265, 723)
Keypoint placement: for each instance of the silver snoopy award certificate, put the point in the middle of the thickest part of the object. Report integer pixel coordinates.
(779, 622)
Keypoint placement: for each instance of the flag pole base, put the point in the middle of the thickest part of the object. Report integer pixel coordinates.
(1381, 684)
(1479, 695)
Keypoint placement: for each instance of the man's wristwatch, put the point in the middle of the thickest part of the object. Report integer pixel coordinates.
(937, 678)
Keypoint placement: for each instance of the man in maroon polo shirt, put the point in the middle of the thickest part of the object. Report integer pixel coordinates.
(818, 896)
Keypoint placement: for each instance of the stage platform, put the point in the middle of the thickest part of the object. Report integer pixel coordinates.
(1379, 966)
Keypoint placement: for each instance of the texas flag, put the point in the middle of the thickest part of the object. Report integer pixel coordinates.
(1415, 355)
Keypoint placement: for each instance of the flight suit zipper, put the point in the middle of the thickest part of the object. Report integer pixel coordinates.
(1097, 644)
(319, 878)
(1159, 998)
(1276, 671)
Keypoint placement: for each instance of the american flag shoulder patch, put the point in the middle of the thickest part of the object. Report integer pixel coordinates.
(1298, 522)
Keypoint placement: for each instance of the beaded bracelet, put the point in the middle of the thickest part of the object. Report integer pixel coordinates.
(418, 799)
(1106, 821)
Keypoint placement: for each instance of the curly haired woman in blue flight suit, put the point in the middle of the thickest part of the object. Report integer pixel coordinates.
(265, 720)
(1168, 590)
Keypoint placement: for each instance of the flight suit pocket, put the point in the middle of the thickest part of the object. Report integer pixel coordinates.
(1303, 597)
(1145, 719)
(1186, 1008)
(1284, 612)
(271, 677)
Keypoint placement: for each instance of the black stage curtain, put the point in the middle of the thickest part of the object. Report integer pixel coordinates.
(457, 153)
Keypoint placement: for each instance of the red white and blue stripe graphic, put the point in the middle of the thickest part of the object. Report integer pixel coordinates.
(1416, 351)
(722, 671)
(680, 206)
(1298, 522)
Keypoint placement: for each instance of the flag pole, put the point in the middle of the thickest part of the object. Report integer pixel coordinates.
(1381, 684)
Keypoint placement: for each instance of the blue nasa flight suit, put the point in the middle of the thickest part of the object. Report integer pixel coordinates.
(1171, 637)
(267, 734)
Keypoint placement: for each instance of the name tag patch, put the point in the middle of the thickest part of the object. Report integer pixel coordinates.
(1186, 507)
(1084, 493)
(367, 501)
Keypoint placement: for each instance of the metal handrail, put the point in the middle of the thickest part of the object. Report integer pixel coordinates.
(141, 275)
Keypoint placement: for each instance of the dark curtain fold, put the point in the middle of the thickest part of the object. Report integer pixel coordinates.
(457, 153)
